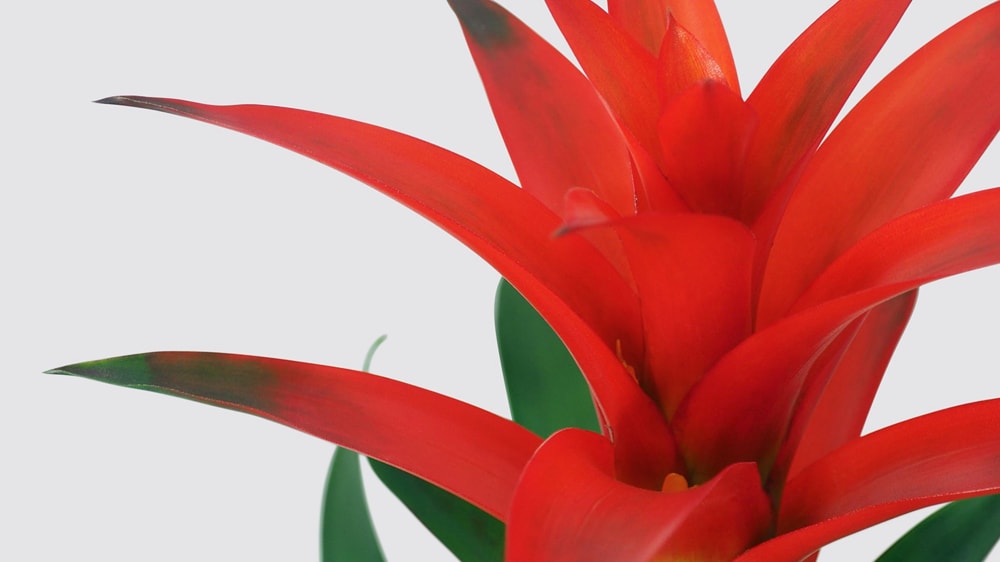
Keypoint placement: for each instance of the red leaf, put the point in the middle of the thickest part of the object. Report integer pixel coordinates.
(943, 239)
(740, 410)
(843, 399)
(724, 418)
(505, 226)
(908, 143)
(704, 133)
(467, 451)
(558, 131)
(646, 20)
(693, 272)
(804, 90)
(570, 507)
(619, 67)
(936, 458)
(684, 62)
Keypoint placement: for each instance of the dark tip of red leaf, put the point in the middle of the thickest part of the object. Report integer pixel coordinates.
(157, 104)
(484, 21)
(112, 100)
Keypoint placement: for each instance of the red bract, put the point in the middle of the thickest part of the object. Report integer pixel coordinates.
(730, 279)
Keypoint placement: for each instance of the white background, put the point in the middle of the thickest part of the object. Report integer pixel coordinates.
(124, 231)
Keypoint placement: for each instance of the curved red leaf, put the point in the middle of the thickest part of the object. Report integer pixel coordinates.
(943, 456)
(570, 507)
(834, 408)
(939, 240)
(619, 67)
(724, 418)
(504, 225)
(501, 223)
(558, 130)
(684, 62)
(467, 451)
(646, 20)
(704, 133)
(908, 143)
(804, 90)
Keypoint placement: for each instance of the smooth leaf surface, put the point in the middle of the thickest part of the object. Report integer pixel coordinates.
(504, 225)
(646, 20)
(621, 69)
(939, 240)
(558, 131)
(802, 92)
(470, 533)
(885, 474)
(836, 413)
(694, 271)
(910, 142)
(347, 531)
(567, 280)
(545, 388)
(468, 451)
(704, 134)
(722, 419)
(962, 531)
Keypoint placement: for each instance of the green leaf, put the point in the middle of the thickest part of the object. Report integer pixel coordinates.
(470, 533)
(962, 531)
(348, 533)
(545, 388)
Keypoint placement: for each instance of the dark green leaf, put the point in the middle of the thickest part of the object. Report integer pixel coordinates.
(962, 531)
(348, 534)
(469, 533)
(545, 388)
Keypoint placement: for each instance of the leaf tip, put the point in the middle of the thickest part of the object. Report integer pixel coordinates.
(128, 370)
(485, 22)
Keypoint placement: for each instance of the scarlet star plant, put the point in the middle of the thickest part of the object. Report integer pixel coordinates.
(729, 278)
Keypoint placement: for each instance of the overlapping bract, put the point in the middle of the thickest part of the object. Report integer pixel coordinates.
(730, 286)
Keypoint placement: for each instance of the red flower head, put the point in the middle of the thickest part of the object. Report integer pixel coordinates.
(730, 278)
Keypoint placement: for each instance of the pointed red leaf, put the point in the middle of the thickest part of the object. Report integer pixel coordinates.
(684, 62)
(724, 418)
(943, 239)
(558, 130)
(704, 133)
(504, 225)
(467, 451)
(908, 143)
(843, 399)
(569, 507)
(804, 90)
(646, 20)
(620, 68)
(936, 458)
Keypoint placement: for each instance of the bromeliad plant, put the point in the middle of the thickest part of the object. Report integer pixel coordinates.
(729, 279)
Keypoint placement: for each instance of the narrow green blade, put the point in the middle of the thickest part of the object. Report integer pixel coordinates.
(347, 531)
(545, 388)
(348, 534)
(471, 534)
(962, 531)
